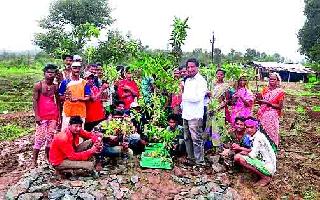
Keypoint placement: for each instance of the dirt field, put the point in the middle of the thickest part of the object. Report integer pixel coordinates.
(298, 165)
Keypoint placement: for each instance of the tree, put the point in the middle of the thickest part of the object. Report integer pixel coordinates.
(217, 56)
(251, 54)
(234, 57)
(117, 49)
(178, 36)
(309, 34)
(71, 24)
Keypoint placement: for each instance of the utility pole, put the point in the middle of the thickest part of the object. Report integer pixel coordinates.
(212, 46)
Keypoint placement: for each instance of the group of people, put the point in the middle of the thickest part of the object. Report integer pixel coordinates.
(76, 100)
(255, 139)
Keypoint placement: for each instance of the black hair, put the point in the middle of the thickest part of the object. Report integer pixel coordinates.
(242, 119)
(99, 64)
(193, 60)
(93, 65)
(127, 69)
(50, 66)
(117, 113)
(67, 56)
(75, 120)
(182, 66)
(173, 117)
(117, 103)
(221, 70)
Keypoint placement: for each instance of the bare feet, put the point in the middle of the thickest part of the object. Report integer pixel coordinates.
(263, 181)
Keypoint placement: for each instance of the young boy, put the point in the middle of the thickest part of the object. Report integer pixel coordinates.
(45, 105)
(261, 158)
(179, 147)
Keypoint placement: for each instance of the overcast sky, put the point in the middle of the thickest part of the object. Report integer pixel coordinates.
(266, 25)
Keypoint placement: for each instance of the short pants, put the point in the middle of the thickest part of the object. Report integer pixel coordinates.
(44, 133)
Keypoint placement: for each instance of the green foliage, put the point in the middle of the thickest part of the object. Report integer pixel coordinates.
(316, 108)
(161, 135)
(203, 56)
(16, 85)
(160, 67)
(312, 78)
(89, 53)
(71, 24)
(309, 34)
(10, 132)
(178, 36)
(111, 74)
(300, 110)
(117, 49)
(310, 193)
(117, 126)
(232, 72)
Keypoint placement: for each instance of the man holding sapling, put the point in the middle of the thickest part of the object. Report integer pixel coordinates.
(45, 105)
(195, 89)
(74, 92)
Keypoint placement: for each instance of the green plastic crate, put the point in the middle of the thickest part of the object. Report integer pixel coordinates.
(154, 162)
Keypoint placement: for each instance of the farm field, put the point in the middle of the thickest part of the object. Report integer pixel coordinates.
(298, 167)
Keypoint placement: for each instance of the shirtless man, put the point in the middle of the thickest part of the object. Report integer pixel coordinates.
(46, 110)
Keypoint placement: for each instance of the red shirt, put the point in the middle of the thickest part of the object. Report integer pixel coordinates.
(62, 147)
(95, 110)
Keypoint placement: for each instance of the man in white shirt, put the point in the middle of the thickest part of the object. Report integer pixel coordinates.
(195, 89)
(261, 160)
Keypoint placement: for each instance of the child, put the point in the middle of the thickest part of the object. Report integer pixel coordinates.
(178, 143)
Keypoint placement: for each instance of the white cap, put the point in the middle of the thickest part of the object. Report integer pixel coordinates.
(134, 105)
(76, 64)
(77, 58)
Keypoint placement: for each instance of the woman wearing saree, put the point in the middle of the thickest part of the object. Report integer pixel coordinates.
(128, 90)
(243, 100)
(218, 113)
(271, 102)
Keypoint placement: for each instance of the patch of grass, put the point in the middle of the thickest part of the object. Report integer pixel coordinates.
(10, 132)
(4, 71)
(300, 110)
(16, 86)
(302, 93)
(316, 108)
(310, 194)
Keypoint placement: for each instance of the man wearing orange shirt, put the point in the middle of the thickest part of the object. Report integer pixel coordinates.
(74, 93)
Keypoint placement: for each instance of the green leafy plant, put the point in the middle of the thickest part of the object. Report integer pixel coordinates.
(117, 126)
(11, 132)
(178, 36)
(110, 73)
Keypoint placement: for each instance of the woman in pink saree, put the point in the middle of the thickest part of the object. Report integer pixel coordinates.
(243, 100)
(271, 102)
